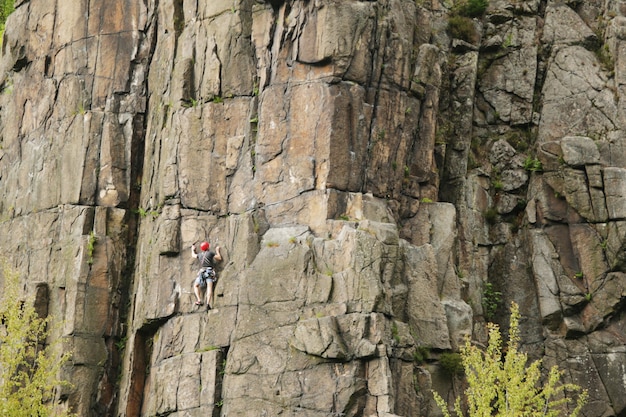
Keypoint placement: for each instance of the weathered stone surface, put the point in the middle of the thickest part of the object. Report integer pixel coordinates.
(615, 185)
(508, 202)
(587, 248)
(578, 151)
(587, 369)
(427, 316)
(345, 157)
(327, 338)
(464, 75)
(192, 378)
(547, 287)
(615, 251)
(503, 155)
(608, 356)
(460, 316)
(583, 191)
(508, 83)
(608, 292)
(333, 33)
(575, 101)
(564, 26)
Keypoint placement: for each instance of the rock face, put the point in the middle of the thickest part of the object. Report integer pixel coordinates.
(373, 181)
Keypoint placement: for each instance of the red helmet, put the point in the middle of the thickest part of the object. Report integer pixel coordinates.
(204, 246)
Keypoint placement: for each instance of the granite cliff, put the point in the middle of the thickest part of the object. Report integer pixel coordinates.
(383, 177)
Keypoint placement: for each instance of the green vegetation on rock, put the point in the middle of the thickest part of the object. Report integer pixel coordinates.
(6, 8)
(497, 387)
(29, 367)
(491, 301)
(532, 164)
(462, 27)
(460, 24)
(471, 8)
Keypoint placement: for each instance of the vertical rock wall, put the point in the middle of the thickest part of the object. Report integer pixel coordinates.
(71, 150)
(373, 176)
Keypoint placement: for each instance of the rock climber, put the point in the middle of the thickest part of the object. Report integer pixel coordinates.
(206, 276)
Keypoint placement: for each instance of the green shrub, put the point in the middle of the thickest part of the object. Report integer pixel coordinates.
(395, 333)
(6, 8)
(471, 8)
(28, 375)
(497, 387)
(491, 215)
(462, 27)
(491, 301)
(452, 363)
(604, 57)
(421, 354)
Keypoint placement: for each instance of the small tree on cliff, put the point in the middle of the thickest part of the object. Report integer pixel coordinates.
(28, 368)
(510, 388)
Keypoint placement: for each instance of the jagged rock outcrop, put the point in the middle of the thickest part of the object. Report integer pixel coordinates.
(374, 175)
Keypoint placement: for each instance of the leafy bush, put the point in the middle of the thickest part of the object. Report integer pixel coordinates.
(461, 27)
(471, 8)
(491, 301)
(28, 368)
(452, 363)
(6, 8)
(510, 388)
(421, 354)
